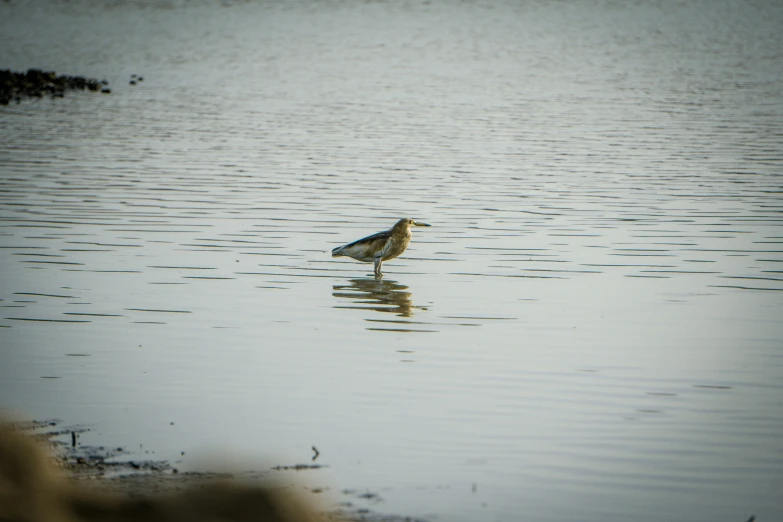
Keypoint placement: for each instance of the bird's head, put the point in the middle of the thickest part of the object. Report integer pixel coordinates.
(408, 222)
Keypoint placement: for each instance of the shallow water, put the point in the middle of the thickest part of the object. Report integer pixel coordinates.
(590, 330)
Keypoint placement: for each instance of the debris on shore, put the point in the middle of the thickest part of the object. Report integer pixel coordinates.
(36, 83)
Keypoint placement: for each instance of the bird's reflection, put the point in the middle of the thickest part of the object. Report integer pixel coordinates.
(376, 294)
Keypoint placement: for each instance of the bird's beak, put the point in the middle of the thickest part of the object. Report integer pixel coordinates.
(419, 224)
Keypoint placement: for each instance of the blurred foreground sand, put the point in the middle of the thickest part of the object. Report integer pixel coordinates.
(34, 487)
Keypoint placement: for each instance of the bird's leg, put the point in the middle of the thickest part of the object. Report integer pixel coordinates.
(378, 261)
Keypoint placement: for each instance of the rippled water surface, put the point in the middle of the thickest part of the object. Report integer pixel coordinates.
(591, 329)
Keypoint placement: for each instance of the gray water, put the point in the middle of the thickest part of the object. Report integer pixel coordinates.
(591, 329)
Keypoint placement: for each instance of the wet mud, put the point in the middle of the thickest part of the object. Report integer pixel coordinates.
(35, 83)
(47, 475)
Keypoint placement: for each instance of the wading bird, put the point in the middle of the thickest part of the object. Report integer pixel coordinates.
(382, 246)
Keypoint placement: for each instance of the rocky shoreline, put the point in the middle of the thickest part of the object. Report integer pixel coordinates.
(36, 83)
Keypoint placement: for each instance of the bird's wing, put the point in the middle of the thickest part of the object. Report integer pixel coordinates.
(374, 239)
(367, 247)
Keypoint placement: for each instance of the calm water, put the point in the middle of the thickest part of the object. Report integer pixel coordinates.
(591, 330)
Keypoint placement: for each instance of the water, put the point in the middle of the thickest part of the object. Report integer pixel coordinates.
(590, 330)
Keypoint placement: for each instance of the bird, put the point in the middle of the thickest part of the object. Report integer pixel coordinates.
(382, 246)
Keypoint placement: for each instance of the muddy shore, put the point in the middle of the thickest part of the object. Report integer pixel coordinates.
(36, 83)
(122, 473)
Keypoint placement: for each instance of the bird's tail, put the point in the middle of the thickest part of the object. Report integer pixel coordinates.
(337, 252)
